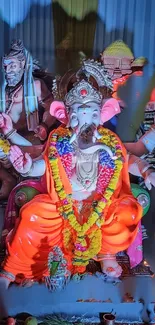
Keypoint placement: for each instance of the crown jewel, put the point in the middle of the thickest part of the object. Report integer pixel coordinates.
(98, 72)
(83, 93)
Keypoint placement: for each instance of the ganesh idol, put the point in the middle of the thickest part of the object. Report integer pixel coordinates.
(87, 211)
(24, 107)
(137, 151)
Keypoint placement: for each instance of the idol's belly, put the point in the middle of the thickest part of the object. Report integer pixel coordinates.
(80, 192)
(80, 196)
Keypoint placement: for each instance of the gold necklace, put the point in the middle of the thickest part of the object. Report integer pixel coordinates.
(86, 177)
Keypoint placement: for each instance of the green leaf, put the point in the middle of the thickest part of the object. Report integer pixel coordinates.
(54, 267)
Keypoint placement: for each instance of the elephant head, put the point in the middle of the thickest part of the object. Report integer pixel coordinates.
(84, 107)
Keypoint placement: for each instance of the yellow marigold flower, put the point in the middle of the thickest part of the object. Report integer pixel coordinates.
(5, 146)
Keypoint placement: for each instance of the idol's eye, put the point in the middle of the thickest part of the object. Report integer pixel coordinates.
(73, 117)
(95, 115)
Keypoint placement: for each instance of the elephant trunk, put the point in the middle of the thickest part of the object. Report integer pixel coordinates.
(89, 134)
(97, 147)
(87, 139)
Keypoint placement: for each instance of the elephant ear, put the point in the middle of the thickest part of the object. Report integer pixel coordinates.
(58, 110)
(109, 109)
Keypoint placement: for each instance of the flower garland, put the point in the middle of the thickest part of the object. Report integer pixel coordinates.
(87, 237)
(4, 146)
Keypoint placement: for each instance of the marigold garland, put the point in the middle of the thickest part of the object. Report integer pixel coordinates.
(87, 237)
(4, 146)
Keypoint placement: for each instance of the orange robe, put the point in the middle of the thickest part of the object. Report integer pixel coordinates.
(40, 226)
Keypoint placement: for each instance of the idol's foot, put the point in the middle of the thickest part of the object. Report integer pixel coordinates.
(27, 283)
(4, 283)
(110, 267)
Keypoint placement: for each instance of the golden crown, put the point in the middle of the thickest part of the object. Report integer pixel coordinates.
(97, 71)
(83, 93)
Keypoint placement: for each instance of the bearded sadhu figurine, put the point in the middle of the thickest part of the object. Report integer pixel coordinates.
(24, 105)
(87, 210)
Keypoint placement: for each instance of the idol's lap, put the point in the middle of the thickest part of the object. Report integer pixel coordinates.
(88, 197)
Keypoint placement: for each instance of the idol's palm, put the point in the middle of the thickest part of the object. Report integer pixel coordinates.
(22, 162)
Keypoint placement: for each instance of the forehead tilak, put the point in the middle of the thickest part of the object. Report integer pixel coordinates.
(9, 61)
(89, 105)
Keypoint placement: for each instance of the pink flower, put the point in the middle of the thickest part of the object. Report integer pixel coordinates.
(80, 248)
(65, 202)
(103, 199)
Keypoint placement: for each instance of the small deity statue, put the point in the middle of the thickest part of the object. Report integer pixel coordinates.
(24, 106)
(119, 61)
(88, 210)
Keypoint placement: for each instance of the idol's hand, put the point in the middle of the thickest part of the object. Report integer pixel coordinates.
(149, 179)
(22, 162)
(5, 123)
(41, 132)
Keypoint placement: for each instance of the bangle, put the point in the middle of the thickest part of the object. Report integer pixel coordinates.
(107, 257)
(9, 276)
(5, 162)
(10, 133)
(28, 173)
(145, 169)
(140, 163)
